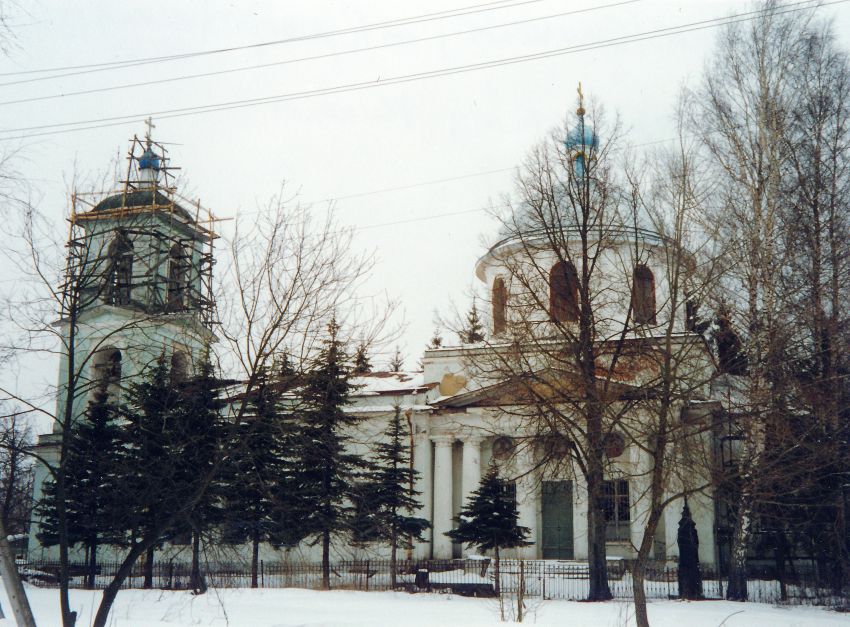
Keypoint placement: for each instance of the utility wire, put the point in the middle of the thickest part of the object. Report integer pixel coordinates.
(418, 19)
(334, 199)
(313, 57)
(239, 104)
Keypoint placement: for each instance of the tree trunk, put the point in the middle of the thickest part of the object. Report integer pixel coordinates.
(12, 583)
(111, 591)
(148, 581)
(736, 589)
(393, 558)
(596, 556)
(638, 578)
(197, 582)
(497, 587)
(255, 556)
(326, 560)
(92, 574)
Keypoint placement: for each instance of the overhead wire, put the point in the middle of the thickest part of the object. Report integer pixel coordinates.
(113, 65)
(55, 128)
(312, 57)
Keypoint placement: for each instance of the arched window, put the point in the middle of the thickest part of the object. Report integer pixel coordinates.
(119, 280)
(563, 292)
(178, 278)
(107, 368)
(643, 295)
(500, 302)
(179, 366)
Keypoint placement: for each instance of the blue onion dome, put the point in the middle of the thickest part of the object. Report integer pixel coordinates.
(576, 141)
(149, 160)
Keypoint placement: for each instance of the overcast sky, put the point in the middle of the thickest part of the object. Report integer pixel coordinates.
(442, 145)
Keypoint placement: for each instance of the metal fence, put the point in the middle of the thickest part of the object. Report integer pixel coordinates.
(546, 579)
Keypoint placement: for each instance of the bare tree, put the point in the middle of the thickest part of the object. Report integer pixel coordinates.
(771, 115)
(674, 437)
(574, 310)
(16, 475)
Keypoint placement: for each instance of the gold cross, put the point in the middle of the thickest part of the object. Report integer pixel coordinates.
(149, 123)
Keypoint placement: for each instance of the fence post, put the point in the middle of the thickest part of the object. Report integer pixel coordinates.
(262, 574)
(367, 575)
(171, 574)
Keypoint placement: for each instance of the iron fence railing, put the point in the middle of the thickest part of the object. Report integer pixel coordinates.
(547, 579)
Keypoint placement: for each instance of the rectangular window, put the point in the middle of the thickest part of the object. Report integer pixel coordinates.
(615, 503)
(509, 492)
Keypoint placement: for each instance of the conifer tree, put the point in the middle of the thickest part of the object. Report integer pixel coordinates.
(397, 361)
(362, 363)
(151, 462)
(325, 474)
(93, 498)
(436, 339)
(199, 426)
(390, 496)
(490, 519)
(473, 332)
(258, 475)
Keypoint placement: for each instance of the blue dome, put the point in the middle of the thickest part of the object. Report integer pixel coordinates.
(575, 141)
(149, 160)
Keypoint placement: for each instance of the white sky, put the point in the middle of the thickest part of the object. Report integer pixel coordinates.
(346, 144)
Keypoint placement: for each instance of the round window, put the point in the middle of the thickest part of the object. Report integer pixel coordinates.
(615, 444)
(557, 445)
(503, 447)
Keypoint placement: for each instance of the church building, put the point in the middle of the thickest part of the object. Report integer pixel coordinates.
(139, 286)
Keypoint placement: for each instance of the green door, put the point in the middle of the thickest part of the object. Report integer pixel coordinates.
(557, 520)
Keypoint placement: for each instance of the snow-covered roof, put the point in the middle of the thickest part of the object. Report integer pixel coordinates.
(390, 383)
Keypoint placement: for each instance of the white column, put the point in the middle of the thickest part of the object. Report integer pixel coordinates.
(580, 544)
(442, 544)
(527, 501)
(471, 478)
(422, 458)
(640, 494)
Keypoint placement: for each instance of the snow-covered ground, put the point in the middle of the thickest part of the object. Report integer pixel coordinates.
(305, 608)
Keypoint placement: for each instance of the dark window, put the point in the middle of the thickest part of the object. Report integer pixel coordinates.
(178, 278)
(179, 366)
(119, 282)
(563, 292)
(508, 489)
(615, 504)
(500, 301)
(643, 295)
(107, 367)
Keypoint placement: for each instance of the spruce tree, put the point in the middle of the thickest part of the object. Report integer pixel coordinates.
(198, 428)
(94, 504)
(362, 363)
(490, 519)
(397, 361)
(325, 474)
(473, 332)
(157, 483)
(258, 489)
(390, 497)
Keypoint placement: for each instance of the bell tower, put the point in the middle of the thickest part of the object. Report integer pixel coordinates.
(137, 285)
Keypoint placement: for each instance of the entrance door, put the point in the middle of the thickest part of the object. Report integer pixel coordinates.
(557, 520)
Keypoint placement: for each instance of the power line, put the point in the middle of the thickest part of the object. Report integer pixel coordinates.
(418, 19)
(239, 104)
(431, 182)
(313, 57)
